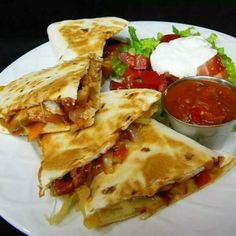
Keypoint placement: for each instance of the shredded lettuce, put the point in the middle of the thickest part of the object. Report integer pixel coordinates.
(161, 116)
(118, 67)
(141, 46)
(227, 61)
(212, 40)
(190, 31)
(234, 128)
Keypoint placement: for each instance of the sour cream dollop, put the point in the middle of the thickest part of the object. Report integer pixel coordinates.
(181, 57)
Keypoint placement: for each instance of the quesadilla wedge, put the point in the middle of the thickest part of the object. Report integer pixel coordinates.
(72, 159)
(59, 98)
(72, 38)
(161, 167)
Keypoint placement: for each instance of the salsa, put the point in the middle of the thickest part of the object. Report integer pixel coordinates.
(201, 102)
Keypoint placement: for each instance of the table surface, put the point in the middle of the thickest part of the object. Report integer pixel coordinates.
(24, 23)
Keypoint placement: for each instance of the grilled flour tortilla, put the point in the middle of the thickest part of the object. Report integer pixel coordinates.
(68, 158)
(59, 98)
(161, 167)
(72, 38)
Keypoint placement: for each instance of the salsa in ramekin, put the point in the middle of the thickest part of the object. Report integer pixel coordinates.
(201, 107)
(201, 101)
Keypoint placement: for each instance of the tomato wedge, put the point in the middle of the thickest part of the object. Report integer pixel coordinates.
(168, 37)
(213, 67)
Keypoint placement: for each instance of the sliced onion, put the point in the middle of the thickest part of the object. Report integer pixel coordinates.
(107, 162)
(57, 217)
(53, 107)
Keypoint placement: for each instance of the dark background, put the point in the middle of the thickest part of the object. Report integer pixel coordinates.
(23, 24)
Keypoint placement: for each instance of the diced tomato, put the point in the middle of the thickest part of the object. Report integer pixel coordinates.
(213, 67)
(127, 58)
(202, 178)
(143, 79)
(137, 79)
(137, 62)
(120, 151)
(62, 186)
(168, 37)
(115, 85)
(34, 130)
(80, 175)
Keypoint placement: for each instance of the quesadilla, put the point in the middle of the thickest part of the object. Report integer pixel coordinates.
(161, 167)
(72, 159)
(59, 98)
(72, 38)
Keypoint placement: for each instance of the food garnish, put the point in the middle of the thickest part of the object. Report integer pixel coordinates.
(135, 56)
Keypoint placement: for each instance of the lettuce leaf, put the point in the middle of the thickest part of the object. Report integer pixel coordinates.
(118, 67)
(141, 46)
(185, 33)
(234, 128)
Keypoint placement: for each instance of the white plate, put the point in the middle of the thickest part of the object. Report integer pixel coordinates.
(211, 211)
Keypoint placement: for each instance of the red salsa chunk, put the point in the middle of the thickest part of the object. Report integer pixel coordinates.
(201, 102)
